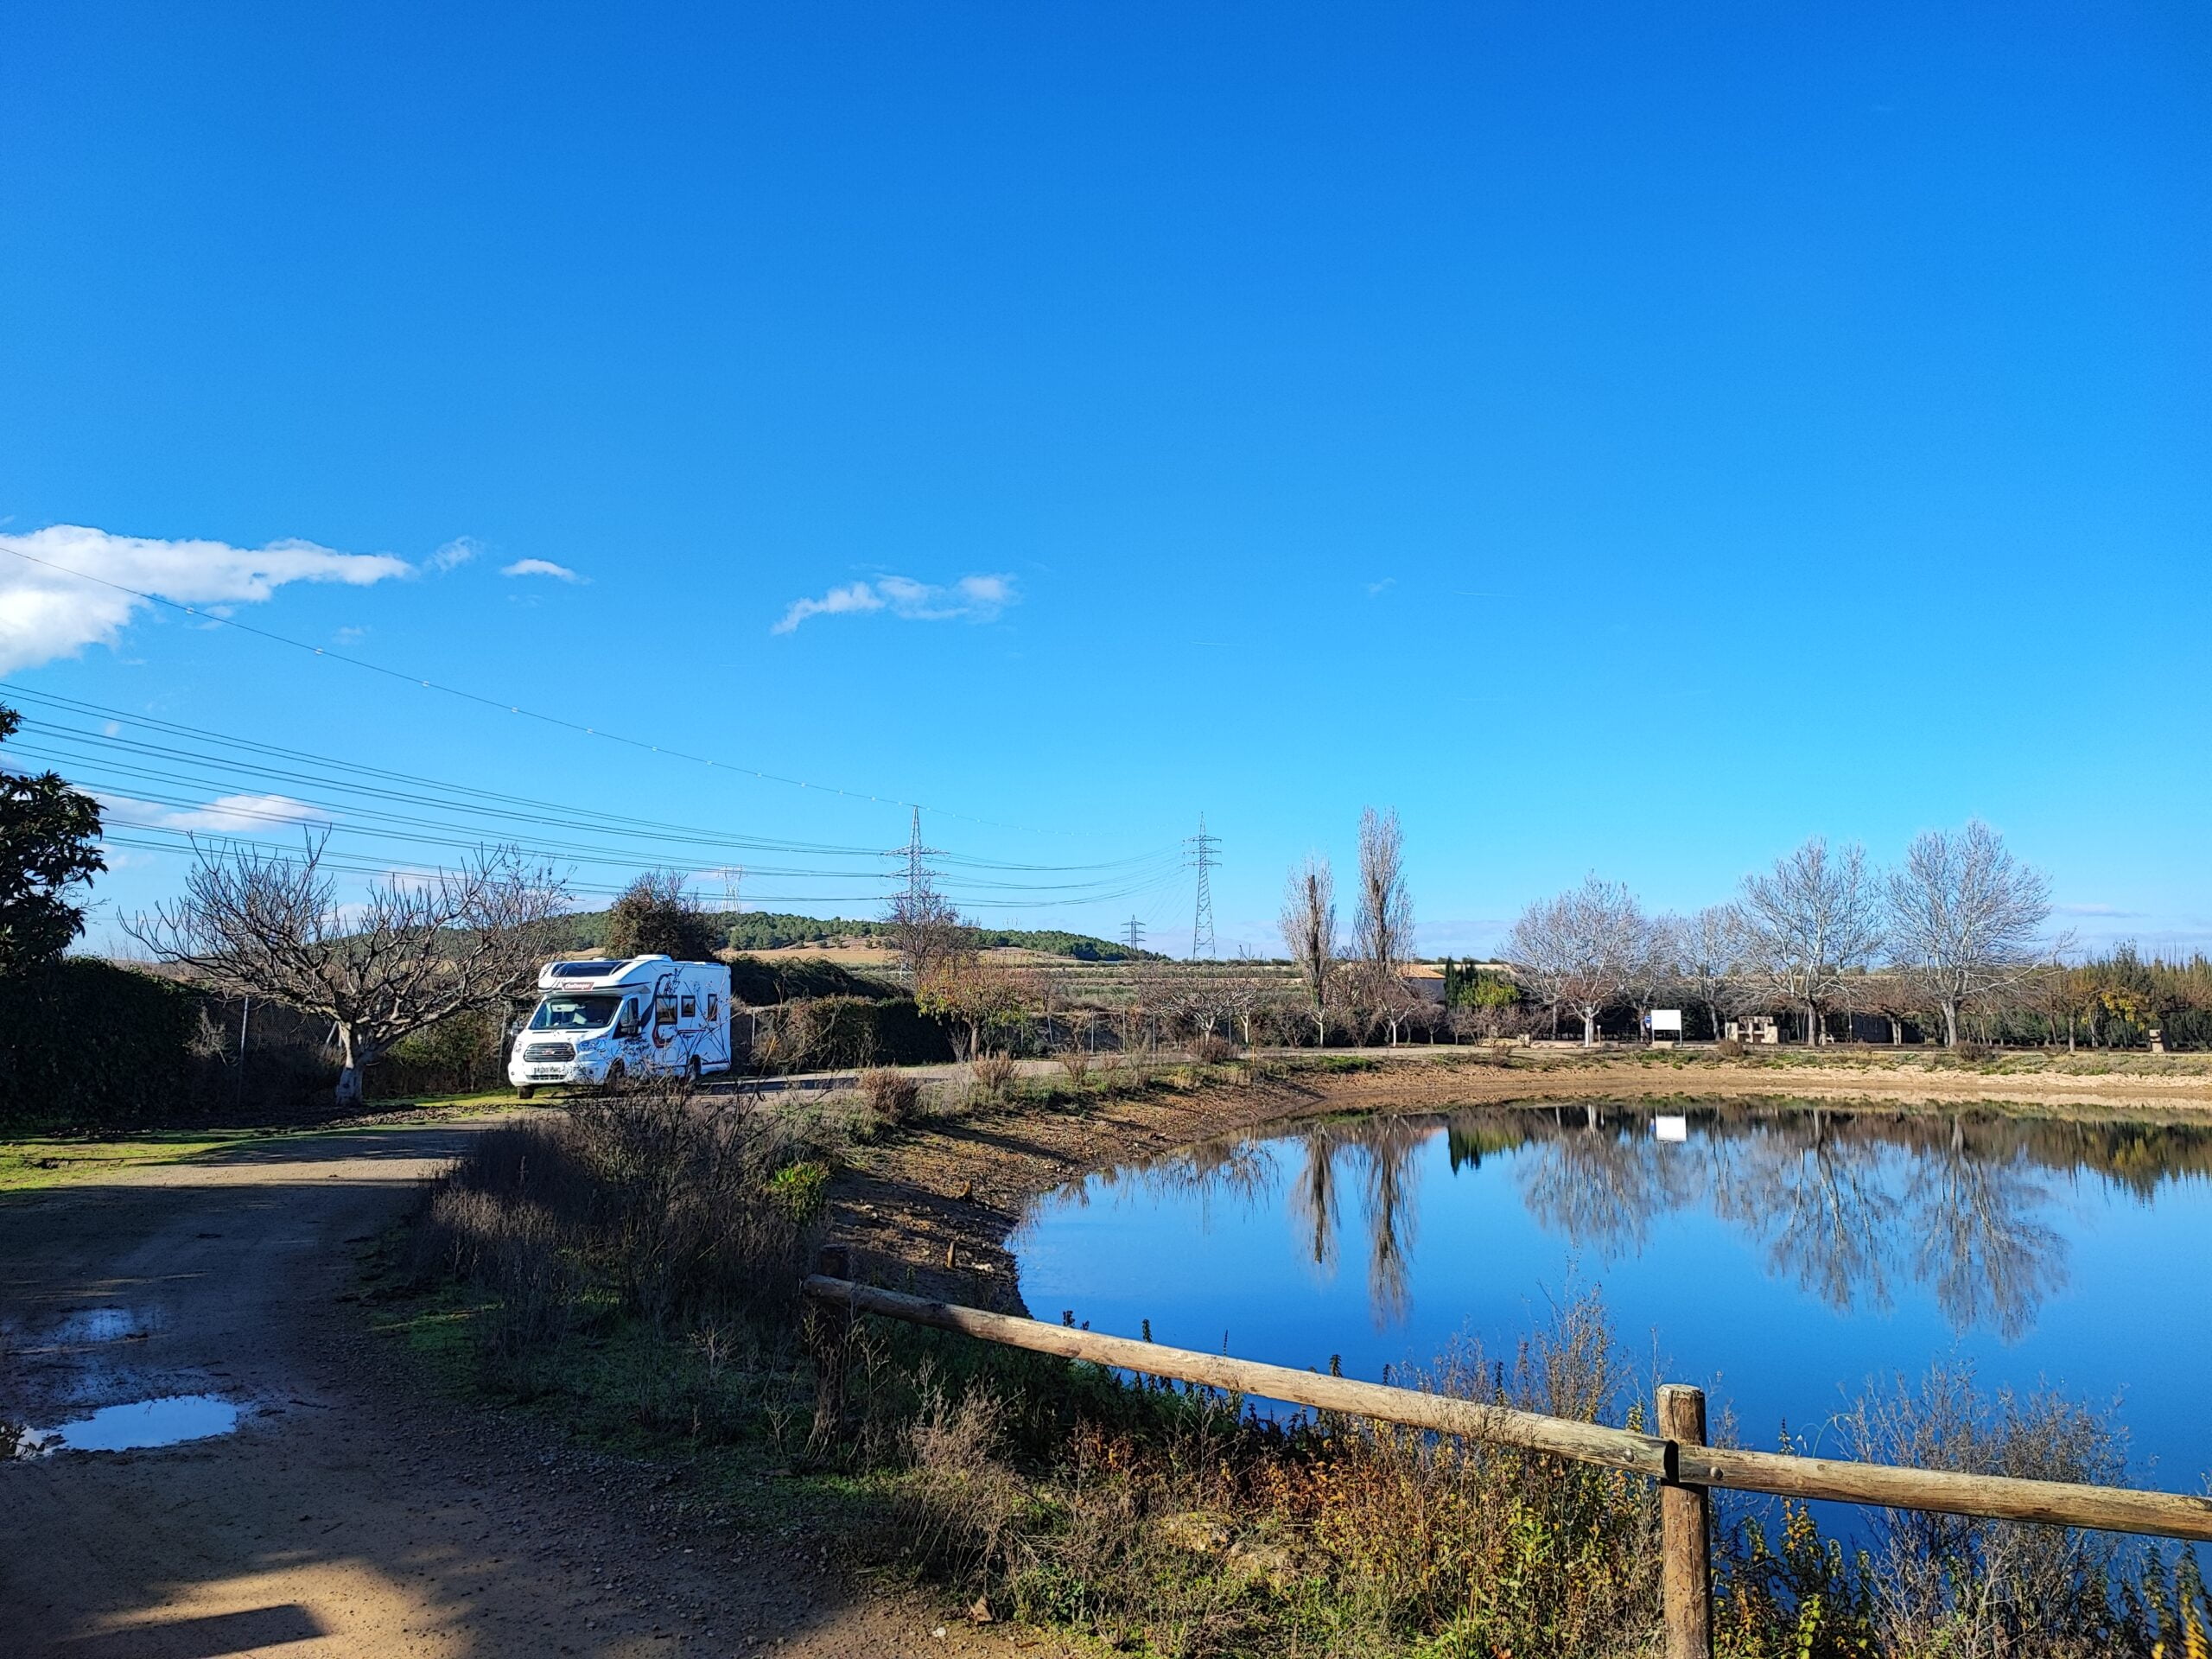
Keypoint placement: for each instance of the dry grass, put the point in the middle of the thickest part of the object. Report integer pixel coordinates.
(992, 1073)
(893, 1096)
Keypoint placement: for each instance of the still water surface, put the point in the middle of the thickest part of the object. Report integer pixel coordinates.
(1780, 1257)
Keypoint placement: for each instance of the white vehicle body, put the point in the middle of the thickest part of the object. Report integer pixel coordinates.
(650, 1016)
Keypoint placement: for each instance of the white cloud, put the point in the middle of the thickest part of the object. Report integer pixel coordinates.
(540, 568)
(46, 613)
(224, 815)
(454, 554)
(977, 599)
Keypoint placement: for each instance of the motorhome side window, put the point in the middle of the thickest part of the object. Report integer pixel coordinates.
(690, 1008)
(714, 1007)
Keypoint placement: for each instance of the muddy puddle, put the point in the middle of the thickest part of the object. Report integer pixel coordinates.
(140, 1425)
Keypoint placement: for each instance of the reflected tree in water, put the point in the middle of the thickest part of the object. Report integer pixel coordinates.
(1820, 1202)
(1313, 1199)
(1387, 1147)
(1600, 1184)
(1988, 1258)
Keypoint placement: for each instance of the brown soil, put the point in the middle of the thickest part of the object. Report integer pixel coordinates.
(933, 1209)
(352, 1514)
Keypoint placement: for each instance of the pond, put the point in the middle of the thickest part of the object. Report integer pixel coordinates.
(1781, 1256)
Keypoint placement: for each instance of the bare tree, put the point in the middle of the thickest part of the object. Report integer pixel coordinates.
(1963, 916)
(1383, 927)
(1574, 950)
(1309, 933)
(1712, 944)
(414, 952)
(926, 931)
(1653, 965)
(1806, 920)
(1243, 989)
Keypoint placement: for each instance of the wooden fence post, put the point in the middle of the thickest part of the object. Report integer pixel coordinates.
(832, 1336)
(1686, 1559)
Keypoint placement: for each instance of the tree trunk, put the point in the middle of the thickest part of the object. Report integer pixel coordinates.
(1589, 1028)
(1812, 1025)
(1950, 1023)
(351, 1062)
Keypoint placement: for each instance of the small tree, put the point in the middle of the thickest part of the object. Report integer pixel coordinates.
(1655, 965)
(1382, 928)
(657, 916)
(1712, 944)
(1573, 951)
(1963, 915)
(1309, 933)
(1806, 920)
(414, 952)
(926, 931)
(49, 843)
(973, 994)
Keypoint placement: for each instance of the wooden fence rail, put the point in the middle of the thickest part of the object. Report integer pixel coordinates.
(1677, 1457)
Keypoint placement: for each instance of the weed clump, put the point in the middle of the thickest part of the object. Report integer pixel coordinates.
(893, 1096)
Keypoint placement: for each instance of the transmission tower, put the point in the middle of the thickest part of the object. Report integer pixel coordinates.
(1202, 847)
(918, 869)
(1133, 931)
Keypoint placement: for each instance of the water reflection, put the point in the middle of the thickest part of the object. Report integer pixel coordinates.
(1851, 1206)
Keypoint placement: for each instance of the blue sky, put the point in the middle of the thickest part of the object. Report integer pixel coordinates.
(1619, 441)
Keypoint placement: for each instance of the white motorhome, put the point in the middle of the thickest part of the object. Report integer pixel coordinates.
(600, 1021)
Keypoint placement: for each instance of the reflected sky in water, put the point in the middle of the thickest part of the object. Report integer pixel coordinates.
(1779, 1256)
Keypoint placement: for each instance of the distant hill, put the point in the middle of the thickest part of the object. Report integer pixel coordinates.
(760, 929)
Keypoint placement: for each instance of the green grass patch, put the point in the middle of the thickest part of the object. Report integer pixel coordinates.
(55, 1160)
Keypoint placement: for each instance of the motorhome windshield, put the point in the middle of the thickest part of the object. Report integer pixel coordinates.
(575, 1013)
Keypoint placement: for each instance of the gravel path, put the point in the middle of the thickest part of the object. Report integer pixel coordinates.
(348, 1514)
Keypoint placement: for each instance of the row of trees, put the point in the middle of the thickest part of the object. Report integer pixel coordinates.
(1957, 924)
(1367, 974)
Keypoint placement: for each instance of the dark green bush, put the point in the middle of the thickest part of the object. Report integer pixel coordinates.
(89, 1044)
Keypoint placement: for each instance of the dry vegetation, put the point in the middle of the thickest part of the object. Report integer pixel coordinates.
(639, 1256)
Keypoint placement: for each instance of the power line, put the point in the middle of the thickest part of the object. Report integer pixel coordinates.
(119, 762)
(497, 703)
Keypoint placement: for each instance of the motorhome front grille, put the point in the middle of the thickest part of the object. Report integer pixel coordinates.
(549, 1051)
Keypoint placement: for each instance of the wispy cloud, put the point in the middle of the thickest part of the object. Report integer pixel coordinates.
(975, 599)
(454, 554)
(46, 613)
(224, 815)
(540, 568)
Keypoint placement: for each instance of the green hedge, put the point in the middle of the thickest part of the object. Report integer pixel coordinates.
(83, 1042)
(89, 1044)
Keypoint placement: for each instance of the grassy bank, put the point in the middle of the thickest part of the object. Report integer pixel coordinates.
(627, 1271)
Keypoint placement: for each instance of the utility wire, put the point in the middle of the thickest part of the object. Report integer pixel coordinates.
(517, 809)
(512, 709)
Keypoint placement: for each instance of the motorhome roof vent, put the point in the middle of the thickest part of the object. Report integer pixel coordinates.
(583, 969)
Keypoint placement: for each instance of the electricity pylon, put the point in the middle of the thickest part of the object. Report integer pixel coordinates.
(1202, 847)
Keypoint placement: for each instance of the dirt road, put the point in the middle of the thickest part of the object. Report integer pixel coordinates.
(346, 1514)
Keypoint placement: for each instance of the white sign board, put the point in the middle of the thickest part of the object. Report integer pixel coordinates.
(1671, 1128)
(1666, 1019)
